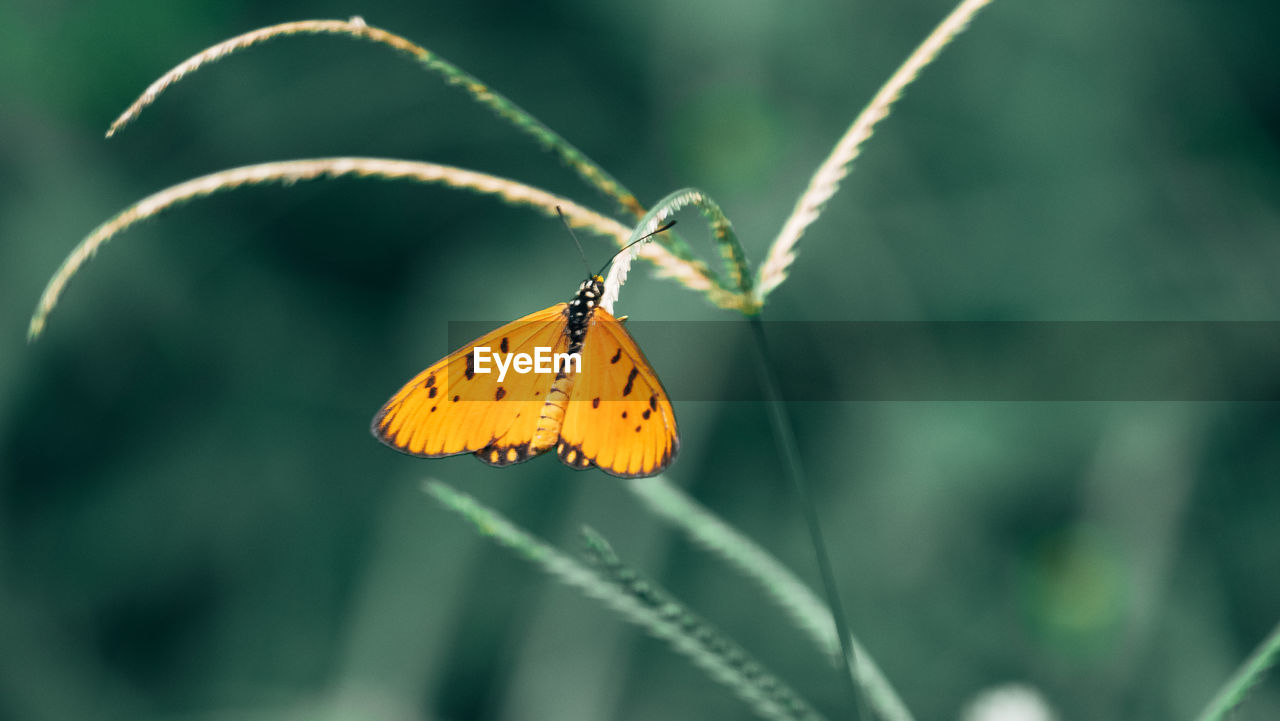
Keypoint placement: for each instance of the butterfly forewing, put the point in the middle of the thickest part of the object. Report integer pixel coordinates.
(449, 408)
(619, 418)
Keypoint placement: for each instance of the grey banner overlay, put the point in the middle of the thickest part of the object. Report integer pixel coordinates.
(960, 361)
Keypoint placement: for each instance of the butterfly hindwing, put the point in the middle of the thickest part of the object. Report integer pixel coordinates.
(619, 418)
(449, 408)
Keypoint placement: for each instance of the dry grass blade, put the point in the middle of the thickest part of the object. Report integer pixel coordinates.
(293, 171)
(827, 179)
(355, 26)
(586, 168)
(670, 262)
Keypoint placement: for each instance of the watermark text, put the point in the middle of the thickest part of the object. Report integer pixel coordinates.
(542, 361)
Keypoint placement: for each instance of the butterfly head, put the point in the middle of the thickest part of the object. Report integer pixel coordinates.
(587, 297)
(589, 293)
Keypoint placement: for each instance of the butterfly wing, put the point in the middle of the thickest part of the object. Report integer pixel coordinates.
(449, 408)
(618, 417)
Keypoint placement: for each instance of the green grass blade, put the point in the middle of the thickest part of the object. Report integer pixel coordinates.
(800, 603)
(666, 620)
(763, 690)
(1234, 691)
(826, 181)
(735, 259)
(587, 169)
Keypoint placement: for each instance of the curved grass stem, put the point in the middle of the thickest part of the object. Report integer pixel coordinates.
(737, 293)
(826, 180)
(584, 166)
(293, 171)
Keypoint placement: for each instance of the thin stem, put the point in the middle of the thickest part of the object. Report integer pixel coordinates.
(795, 471)
(584, 166)
(1245, 677)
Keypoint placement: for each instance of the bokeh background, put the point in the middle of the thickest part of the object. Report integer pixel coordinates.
(195, 523)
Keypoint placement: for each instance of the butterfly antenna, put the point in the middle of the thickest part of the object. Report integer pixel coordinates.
(576, 242)
(637, 241)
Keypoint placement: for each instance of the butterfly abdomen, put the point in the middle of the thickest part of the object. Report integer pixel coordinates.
(578, 318)
(552, 417)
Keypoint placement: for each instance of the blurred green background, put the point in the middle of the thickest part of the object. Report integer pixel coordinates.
(195, 523)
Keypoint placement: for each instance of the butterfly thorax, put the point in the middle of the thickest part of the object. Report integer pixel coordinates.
(580, 309)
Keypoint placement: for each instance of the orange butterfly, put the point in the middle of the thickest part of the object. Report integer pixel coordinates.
(608, 411)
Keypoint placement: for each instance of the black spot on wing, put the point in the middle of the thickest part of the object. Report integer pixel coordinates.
(496, 455)
(471, 369)
(431, 392)
(572, 456)
(504, 346)
(631, 379)
(595, 402)
(498, 394)
(431, 380)
(653, 402)
(616, 356)
(646, 414)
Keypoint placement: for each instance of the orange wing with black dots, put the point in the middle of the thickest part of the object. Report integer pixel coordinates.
(619, 418)
(449, 409)
(611, 413)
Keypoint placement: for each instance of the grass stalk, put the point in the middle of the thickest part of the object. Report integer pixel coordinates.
(796, 599)
(734, 294)
(294, 171)
(730, 249)
(764, 688)
(826, 181)
(785, 436)
(640, 603)
(586, 168)
(1250, 673)
(290, 172)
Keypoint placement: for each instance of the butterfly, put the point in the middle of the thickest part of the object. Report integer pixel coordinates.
(607, 411)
